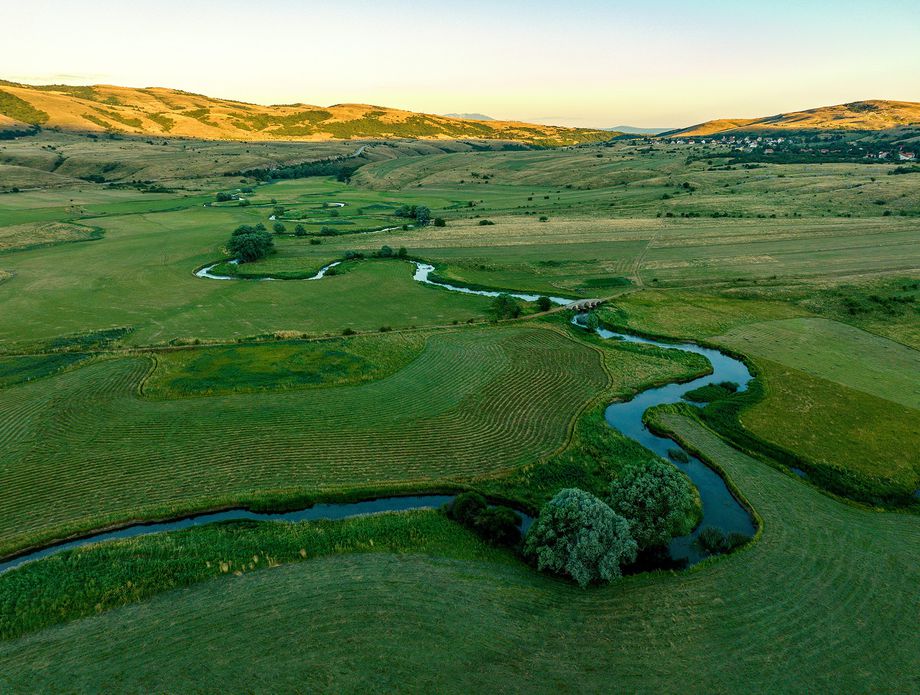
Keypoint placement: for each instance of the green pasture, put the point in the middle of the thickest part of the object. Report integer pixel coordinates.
(846, 431)
(836, 352)
(280, 365)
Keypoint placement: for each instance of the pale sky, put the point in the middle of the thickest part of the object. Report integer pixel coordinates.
(578, 62)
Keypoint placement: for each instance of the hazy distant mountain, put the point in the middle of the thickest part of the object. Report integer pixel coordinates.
(875, 114)
(159, 112)
(470, 116)
(630, 130)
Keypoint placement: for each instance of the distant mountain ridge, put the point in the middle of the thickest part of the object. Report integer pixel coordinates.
(632, 130)
(160, 112)
(470, 116)
(874, 114)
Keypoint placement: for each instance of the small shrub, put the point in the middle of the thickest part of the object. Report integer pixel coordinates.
(440, 222)
(485, 223)
(279, 228)
(716, 541)
(544, 303)
(504, 306)
(498, 525)
(678, 455)
(347, 331)
(300, 230)
(315, 242)
(466, 507)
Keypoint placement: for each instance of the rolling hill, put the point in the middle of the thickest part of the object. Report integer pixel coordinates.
(157, 111)
(858, 115)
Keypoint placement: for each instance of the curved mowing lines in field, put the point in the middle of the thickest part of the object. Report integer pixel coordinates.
(473, 402)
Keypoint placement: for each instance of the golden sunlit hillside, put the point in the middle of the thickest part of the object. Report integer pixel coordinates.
(159, 111)
(858, 115)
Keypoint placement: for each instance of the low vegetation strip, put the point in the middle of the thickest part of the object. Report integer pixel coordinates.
(475, 402)
(836, 352)
(792, 613)
(89, 580)
(31, 235)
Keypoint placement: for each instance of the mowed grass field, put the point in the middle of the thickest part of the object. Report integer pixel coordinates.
(842, 397)
(824, 601)
(473, 403)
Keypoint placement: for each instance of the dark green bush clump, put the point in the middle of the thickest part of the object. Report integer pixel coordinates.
(712, 392)
(716, 541)
(678, 455)
(485, 223)
(498, 525)
(504, 306)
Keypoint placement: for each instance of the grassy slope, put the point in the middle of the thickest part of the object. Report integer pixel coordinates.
(159, 112)
(836, 352)
(876, 114)
(100, 577)
(838, 427)
(794, 613)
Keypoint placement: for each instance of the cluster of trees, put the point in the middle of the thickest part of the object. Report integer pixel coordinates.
(250, 243)
(420, 213)
(384, 252)
(504, 306)
(590, 540)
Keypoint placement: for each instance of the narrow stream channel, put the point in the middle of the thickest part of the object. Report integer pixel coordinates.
(720, 507)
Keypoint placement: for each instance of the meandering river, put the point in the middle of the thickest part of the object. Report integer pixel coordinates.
(720, 507)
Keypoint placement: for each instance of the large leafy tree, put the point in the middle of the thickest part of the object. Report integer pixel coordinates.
(657, 499)
(579, 536)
